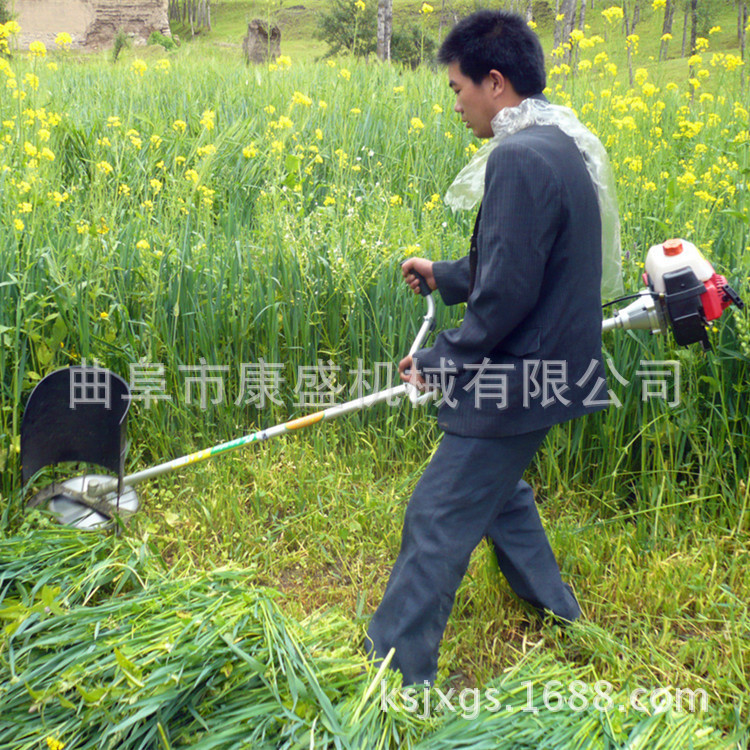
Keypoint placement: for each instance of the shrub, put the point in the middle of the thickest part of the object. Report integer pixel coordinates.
(411, 46)
(156, 37)
(346, 27)
(121, 42)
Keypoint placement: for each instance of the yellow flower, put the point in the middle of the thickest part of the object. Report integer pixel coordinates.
(163, 64)
(269, 109)
(398, 89)
(659, 4)
(192, 176)
(355, 111)
(113, 122)
(299, 98)
(24, 208)
(396, 200)
(82, 227)
(701, 44)
(37, 49)
(138, 67)
(345, 74)
(285, 122)
(666, 37)
(143, 245)
(104, 167)
(18, 224)
(156, 186)
(560, 17)
(437, 109)
(30, 149)
(322, 104)
(123, 189)
(614, 13)
(57, 197)
(284, 61)
(179, 126)
(531, 25)
(155, 140)
(359, 5)
(641, 76)
(208, 119)
(319, 134)
(714, 30)
(416, 123)
(329, 201)
(104, 315)
(208, 150)
(426, 9)
(32, 80)
(47, 154)
(63, 40)
(249, 151)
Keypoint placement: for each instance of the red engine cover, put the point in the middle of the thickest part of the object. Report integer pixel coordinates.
(713, 299)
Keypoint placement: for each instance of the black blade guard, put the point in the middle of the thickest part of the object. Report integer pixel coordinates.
(76, 414)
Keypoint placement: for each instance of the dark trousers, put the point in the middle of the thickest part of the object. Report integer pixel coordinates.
(472, 488)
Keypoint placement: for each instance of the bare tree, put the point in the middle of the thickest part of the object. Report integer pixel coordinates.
(666, 27)
(685, 27)
(693, 24)
(193, 13)
(582, 18)
(385, 29)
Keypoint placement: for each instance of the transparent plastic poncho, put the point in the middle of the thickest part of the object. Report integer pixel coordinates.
(468, 187)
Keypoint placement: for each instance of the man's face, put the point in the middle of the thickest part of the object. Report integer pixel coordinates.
(476, 103)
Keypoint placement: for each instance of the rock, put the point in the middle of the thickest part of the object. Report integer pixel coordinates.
(261, 44)
(90, 22)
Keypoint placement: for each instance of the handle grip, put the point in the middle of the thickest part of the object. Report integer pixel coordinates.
(424, 289)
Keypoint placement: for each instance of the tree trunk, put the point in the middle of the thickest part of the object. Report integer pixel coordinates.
(666, 27)
(530, 10)
(558, 26)
(569, 8)
(385, 29)
(636, 17)
(693, 24)
(685, 27)
(582, 19)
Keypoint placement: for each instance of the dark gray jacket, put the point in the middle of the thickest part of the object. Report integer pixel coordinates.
(533, 315)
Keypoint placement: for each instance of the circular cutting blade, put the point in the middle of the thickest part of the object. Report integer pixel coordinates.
(73, 513)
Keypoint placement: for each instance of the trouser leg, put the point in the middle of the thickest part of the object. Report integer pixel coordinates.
(526, 558)
(461, 493)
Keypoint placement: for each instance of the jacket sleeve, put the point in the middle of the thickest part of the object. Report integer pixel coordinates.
(452, 279)
(521, 215)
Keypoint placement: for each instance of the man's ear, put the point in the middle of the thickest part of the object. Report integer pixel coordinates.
(498, 82)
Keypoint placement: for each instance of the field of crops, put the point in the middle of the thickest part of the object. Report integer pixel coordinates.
(176, 212)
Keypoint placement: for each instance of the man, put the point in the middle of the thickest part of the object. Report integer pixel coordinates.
(526, 356)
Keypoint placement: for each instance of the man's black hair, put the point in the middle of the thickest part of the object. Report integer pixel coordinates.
(496, 40)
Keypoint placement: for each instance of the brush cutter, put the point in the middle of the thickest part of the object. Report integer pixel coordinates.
(684, 294)
(88, 407)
